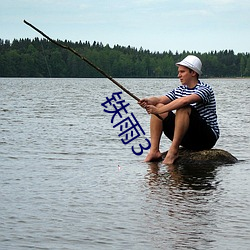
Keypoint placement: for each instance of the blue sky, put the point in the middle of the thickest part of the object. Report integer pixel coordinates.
(157, 25)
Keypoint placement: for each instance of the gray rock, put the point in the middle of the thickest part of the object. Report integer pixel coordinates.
(213, 157)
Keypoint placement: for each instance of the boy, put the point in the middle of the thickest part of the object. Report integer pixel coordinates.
(194, 125)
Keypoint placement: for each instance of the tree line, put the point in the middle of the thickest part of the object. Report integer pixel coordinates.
(40, 58)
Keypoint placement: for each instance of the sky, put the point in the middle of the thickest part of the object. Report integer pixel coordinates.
(155, 25)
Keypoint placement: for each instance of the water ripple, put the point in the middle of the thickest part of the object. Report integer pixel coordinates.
(68, 182)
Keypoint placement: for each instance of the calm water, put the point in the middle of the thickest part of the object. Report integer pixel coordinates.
(68, 182)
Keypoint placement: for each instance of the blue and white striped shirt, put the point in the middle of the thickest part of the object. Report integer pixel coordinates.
(206, 108)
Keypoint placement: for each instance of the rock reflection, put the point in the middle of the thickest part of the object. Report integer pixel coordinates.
(188, 176)
(183, 198)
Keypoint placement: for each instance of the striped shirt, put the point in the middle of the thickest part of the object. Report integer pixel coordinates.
(206, 108)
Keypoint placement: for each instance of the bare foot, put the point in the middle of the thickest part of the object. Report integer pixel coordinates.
(170, 157)
(153, 156)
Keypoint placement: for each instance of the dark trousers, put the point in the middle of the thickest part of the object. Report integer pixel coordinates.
(199, 135)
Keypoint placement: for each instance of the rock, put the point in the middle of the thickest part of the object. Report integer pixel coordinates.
(213, 157)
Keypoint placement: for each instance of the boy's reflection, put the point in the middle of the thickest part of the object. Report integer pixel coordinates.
(182, 198)
(194, 177)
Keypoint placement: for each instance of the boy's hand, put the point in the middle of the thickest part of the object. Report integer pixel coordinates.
(144, 102)
(151, 109)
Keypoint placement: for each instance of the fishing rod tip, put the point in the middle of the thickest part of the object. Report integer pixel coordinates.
(26, 22)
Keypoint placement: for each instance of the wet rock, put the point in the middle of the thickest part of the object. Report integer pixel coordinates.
(213, 157)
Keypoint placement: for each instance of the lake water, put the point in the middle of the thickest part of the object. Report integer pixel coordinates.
(68, 182)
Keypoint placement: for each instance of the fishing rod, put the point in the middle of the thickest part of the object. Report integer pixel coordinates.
(86, 60)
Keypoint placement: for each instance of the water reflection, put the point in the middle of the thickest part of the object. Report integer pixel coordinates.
(183, 197)
(183, 177)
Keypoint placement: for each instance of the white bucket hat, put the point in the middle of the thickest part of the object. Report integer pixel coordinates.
(191, 62)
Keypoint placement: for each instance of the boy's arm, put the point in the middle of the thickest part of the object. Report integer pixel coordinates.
(176, 104)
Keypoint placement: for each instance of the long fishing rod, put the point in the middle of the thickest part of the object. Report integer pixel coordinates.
(86, 60)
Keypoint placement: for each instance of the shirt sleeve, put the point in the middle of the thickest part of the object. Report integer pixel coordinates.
(204, 93)
(171, 95)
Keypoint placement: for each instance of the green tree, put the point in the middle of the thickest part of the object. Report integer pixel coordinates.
(247, 69)
(41, 58)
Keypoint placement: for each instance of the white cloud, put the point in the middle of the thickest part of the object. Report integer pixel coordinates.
(83, 6)
(149, 2)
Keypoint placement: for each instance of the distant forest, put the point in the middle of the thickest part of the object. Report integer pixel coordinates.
(41, 58)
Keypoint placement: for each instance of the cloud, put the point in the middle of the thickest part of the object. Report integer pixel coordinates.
(148, 2)
(225, 5)
(221, 2)
(83, 6)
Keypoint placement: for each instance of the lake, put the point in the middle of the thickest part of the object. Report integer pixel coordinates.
(68, 181)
